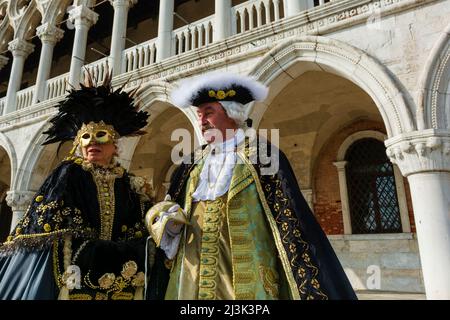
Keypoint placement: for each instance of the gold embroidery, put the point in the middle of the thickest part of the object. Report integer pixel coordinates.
(209, 249)
(111, 283)
(36, 235)
(80, 296)
(122, 296)
(242, 247)
(106, 199)
(245, 277)
(56, 271)
(293, 247)
(270, 281)
(283, 256)
(101, 296)
(243, 258)
(245, 296)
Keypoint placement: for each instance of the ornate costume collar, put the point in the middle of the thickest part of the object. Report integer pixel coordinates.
(114, 169)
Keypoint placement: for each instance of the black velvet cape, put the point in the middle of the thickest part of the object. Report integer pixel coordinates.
(67, 204)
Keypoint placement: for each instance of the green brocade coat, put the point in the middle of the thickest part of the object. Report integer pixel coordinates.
(277, 248)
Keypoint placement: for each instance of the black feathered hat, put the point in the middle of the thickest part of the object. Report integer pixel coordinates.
(97, 104)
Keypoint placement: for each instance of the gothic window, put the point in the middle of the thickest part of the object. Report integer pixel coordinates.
(372, 193)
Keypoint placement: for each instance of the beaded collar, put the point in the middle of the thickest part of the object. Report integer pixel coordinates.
(114, 169)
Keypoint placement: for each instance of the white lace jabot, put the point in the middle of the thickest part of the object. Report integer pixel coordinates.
(217, 170)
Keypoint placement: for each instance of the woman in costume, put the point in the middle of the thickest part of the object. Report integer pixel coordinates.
(83, 236)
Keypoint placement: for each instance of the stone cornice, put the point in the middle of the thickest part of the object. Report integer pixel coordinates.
(244, 46)
(38, 112)
(420, 151)
(316, 21)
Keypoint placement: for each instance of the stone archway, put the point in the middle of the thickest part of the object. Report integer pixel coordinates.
(5, 184)
(150, 155)
(433, 101)
(38, 161)
(317, 88)
(307, 114)
(318, 53)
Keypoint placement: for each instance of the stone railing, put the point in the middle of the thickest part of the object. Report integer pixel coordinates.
(253, 14)
(97, 69)
(139, 56)
(189, 42)
(24, 98)
(193, 36)
(56, 87)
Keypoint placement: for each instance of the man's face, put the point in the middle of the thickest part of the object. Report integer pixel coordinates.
(214, 121)
(101, 154)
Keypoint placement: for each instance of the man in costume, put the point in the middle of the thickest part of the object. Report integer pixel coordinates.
(83, 236)
(240, 233)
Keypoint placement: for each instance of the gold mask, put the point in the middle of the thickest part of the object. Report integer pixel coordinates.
(100, 133)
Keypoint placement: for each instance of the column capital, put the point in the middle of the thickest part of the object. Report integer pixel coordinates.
(3, 61)
(420, 151)
(49, 33)
(20, 47)
(18, 199)
(83, 15)
(340, 165)
(123, 3)
(308, 195)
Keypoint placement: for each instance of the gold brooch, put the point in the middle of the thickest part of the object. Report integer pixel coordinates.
(221, 94)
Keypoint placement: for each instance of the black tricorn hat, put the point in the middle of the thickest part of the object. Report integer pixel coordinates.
(217, 86)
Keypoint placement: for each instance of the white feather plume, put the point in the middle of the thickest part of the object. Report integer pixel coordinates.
(184, 94)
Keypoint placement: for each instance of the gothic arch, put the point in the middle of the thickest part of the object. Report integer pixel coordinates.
(147, 99)
(30, 159)
(23, 17)
(6, 144)
(6, 31)
(433, 101)
(324, 54)
(52, 11)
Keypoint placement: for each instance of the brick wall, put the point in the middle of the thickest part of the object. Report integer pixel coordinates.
(327, 200)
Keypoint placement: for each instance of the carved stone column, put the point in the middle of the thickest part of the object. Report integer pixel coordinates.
(83, 18)
(424, 157)
(119, 31)
(20, 50)
(308, 195)
(165, 29)
(293, 7)
(222, 19)
(18, 201)
(345, 204)
(49, 35)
